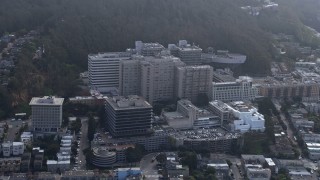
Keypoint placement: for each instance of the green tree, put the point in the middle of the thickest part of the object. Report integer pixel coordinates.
(92, 125)
(135, 154)
(161, 158)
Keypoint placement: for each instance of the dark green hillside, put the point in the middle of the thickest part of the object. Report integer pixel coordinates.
(70, 29)
(82, 26)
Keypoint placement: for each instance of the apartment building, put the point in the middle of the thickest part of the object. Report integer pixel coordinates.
(46, 113)
(290, 88)
(192, 81)
(128, 116)
(239, 90)
(103, 69)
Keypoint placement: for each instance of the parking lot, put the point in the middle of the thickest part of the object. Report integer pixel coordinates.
(14, 127)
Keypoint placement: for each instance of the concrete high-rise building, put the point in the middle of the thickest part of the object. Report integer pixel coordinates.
(239, 90)
(189, 54)
(128, 116)
(148, 49)
(191, 81)
(129, 77)
(103, 69)
(157, 78)
(46, 113)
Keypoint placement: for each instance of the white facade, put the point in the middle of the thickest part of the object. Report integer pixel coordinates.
(12, 148)
(240, 116)
(17, 148)
(247, 117)
(7, 149)
(103, 69)
(240, 90)
(46, 113)
(26, 137)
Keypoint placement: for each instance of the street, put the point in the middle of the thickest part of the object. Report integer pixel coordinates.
(148, 168)
(83, 143)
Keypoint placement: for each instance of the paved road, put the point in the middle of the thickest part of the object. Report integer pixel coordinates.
(14, 127)
(83, 143)
(290, 132)
(148, 168)
(236, 173)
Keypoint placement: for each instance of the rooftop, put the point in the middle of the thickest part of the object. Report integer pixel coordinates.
(46, 100)
(109, 55)
(79, 173)
(130, 102)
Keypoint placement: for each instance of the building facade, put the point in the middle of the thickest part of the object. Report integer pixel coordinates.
(46, 113)
(128, 116)
(129, 77)
(189, 54)
(157, 78)
(239, 90)
(192, 81)
(148, 49)
(103, 69)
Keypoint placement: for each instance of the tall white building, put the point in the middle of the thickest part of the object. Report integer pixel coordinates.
(191, 81)
(130, 77)
(157, 77)
(46, 113)
(239, 90)
(103, 69)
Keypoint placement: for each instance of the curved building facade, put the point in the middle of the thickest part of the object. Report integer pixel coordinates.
(102, 157)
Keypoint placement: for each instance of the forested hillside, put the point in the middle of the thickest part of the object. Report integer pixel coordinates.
(73, 28)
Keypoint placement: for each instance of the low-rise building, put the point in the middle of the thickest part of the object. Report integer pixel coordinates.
(12, 148)
(175, 169)
(53, 165)
(123, 173)
(79, 175)
(11, 164)
(254, 167)
(26, 137)
(295, 168)
(188, 116)
(239, 115)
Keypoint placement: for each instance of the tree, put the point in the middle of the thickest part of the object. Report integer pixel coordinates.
(161, 158)
(76, 125)
(189, 159)
(135, 154)
(92, 125)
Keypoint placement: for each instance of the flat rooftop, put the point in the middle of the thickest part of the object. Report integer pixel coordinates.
(46, 100)
(79, 173)
(129, 102)
(109, 55)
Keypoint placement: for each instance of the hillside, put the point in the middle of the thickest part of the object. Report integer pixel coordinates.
(72, 29)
